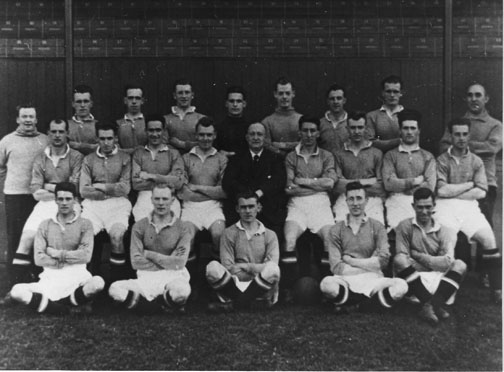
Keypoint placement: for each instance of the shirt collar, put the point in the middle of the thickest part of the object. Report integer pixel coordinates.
(298, 150)
(402, 149)
(261, 230)
(481, 117)
(285, 112)
(435, 227)
(55, 219)
(114, 152)
(367, 146)
(452, 156)
(168, 224)
(164, 147)
(364, 219)
(254, 154)
(398, 109)
(47, 151)
(181, 113)
(212, 152)
(128, 117)
(335, 122)
(89, 118)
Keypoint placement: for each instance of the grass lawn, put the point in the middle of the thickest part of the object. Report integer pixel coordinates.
(284, 338)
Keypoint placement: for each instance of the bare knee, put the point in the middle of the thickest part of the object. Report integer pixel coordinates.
(180, 292)
(214, 271)
(459, 266)
(94, 285)
(398, 288)
(116, 234)
(271, 272)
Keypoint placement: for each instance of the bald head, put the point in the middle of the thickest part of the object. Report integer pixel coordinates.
(476, 98)
(255, 137)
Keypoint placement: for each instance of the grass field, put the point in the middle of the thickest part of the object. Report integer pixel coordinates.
(283, 338)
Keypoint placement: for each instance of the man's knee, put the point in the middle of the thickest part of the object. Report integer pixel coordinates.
(179, 292)
(117, 233)
(117, 291)
(271, 272)
(459, 266)
(331, 287)
(214, 271)
(94, 285)
(401, 262)
(398, 288)
(21, 292)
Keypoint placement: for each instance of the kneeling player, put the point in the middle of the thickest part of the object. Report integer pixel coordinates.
(63, 246)
(358, 252)
(425, 258)
(249, 261)
(160, 246)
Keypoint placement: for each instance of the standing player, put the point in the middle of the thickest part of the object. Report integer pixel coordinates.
(104, 185)
(358, 254)
(181, 121)
(425, 258)
(57, 163)
(282, 125)
(382, 124)
(63, 247)
(160, 245)
(18, 151)
(231, 131)
(131, 132)
(359, 161)
(406, 168)
(82, 126)
(461, 181)
(155, 163)
(249, 261)
(333, 126)
(202, 194)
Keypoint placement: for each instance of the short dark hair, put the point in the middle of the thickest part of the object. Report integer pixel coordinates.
(477, 83)
(247, 194)
(182, 81)
(58, 121)
(25, 105)
(282, 80)
(356, 185)
(66, 186)
(236, 89)
(107, 125)
(458, 121)
(163, 185)
(155, 117)
(423, 193)
(132, 86)
(335, 87)
(206, 121)
(356, 115)
(409, 114)
(308, 119)
(392, 79)
(81, 88)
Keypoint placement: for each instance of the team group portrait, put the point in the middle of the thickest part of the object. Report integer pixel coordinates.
(251, 185)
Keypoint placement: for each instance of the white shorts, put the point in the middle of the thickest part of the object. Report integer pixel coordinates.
(271, 295)
(461, 215)
(399, 207)
(431, 280)
(202, 214)
(104, 214)
(366, 283)
(44, 210)
(310, 212)
(60, 283)
(153, 283)
(143, 206)
(374, 208)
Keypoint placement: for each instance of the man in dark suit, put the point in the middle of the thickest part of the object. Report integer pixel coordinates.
(261, 171)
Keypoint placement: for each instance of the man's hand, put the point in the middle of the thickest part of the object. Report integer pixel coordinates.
(99, 186)
(418, 180)
(145, 176)
(54, 253)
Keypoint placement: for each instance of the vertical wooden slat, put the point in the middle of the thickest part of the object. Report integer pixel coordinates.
(447, 61)
(69, 51)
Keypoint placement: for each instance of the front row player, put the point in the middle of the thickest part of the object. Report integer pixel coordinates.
(249, 261)
(63, 246)
(358, 252)
(160, 246)
(425, 258)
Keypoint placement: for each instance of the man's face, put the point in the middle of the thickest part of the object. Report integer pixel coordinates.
(336, 101)
(356, 201)
(255, 137)
(65, 201)
(162, 200)
(460, 137)
(410, 132)
(27, 119)
(106, 140)
(391, 94)
(134, 100)
(356, 129)
(205, 137)
(82, 104)
(424, 209)
(476, 99)
(309, 134)
(248, 209)
(284, 95)
(155, 133)
(183, 96)
(57, 134)
(235, 104)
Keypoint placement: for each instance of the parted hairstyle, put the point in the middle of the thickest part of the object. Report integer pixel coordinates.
(458, 121)
(236, 89)
(205, 121)
(409, 114)
(65, 186)
(308, 119)
(334, 87)
(392, 79)
(58, 121)
(355, 186)
(155, 117)
(423, 193)
(107, 125)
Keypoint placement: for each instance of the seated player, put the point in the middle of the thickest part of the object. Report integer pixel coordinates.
(160, 246)
(406, 168)
(249, 261)
(155, 163)
(425, 258)
(63, 247)
(57, 163)
(310, 178)
(359, 161)
(358, 254)
(104, 185)
(202, 194)
(461, 182)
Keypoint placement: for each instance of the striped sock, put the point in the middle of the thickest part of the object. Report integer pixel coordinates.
(117, 258)
(448, 285)
(257, 288)
(415, 284)
(21, 259)
(76, 298)
(41, 304)
(492, 261)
